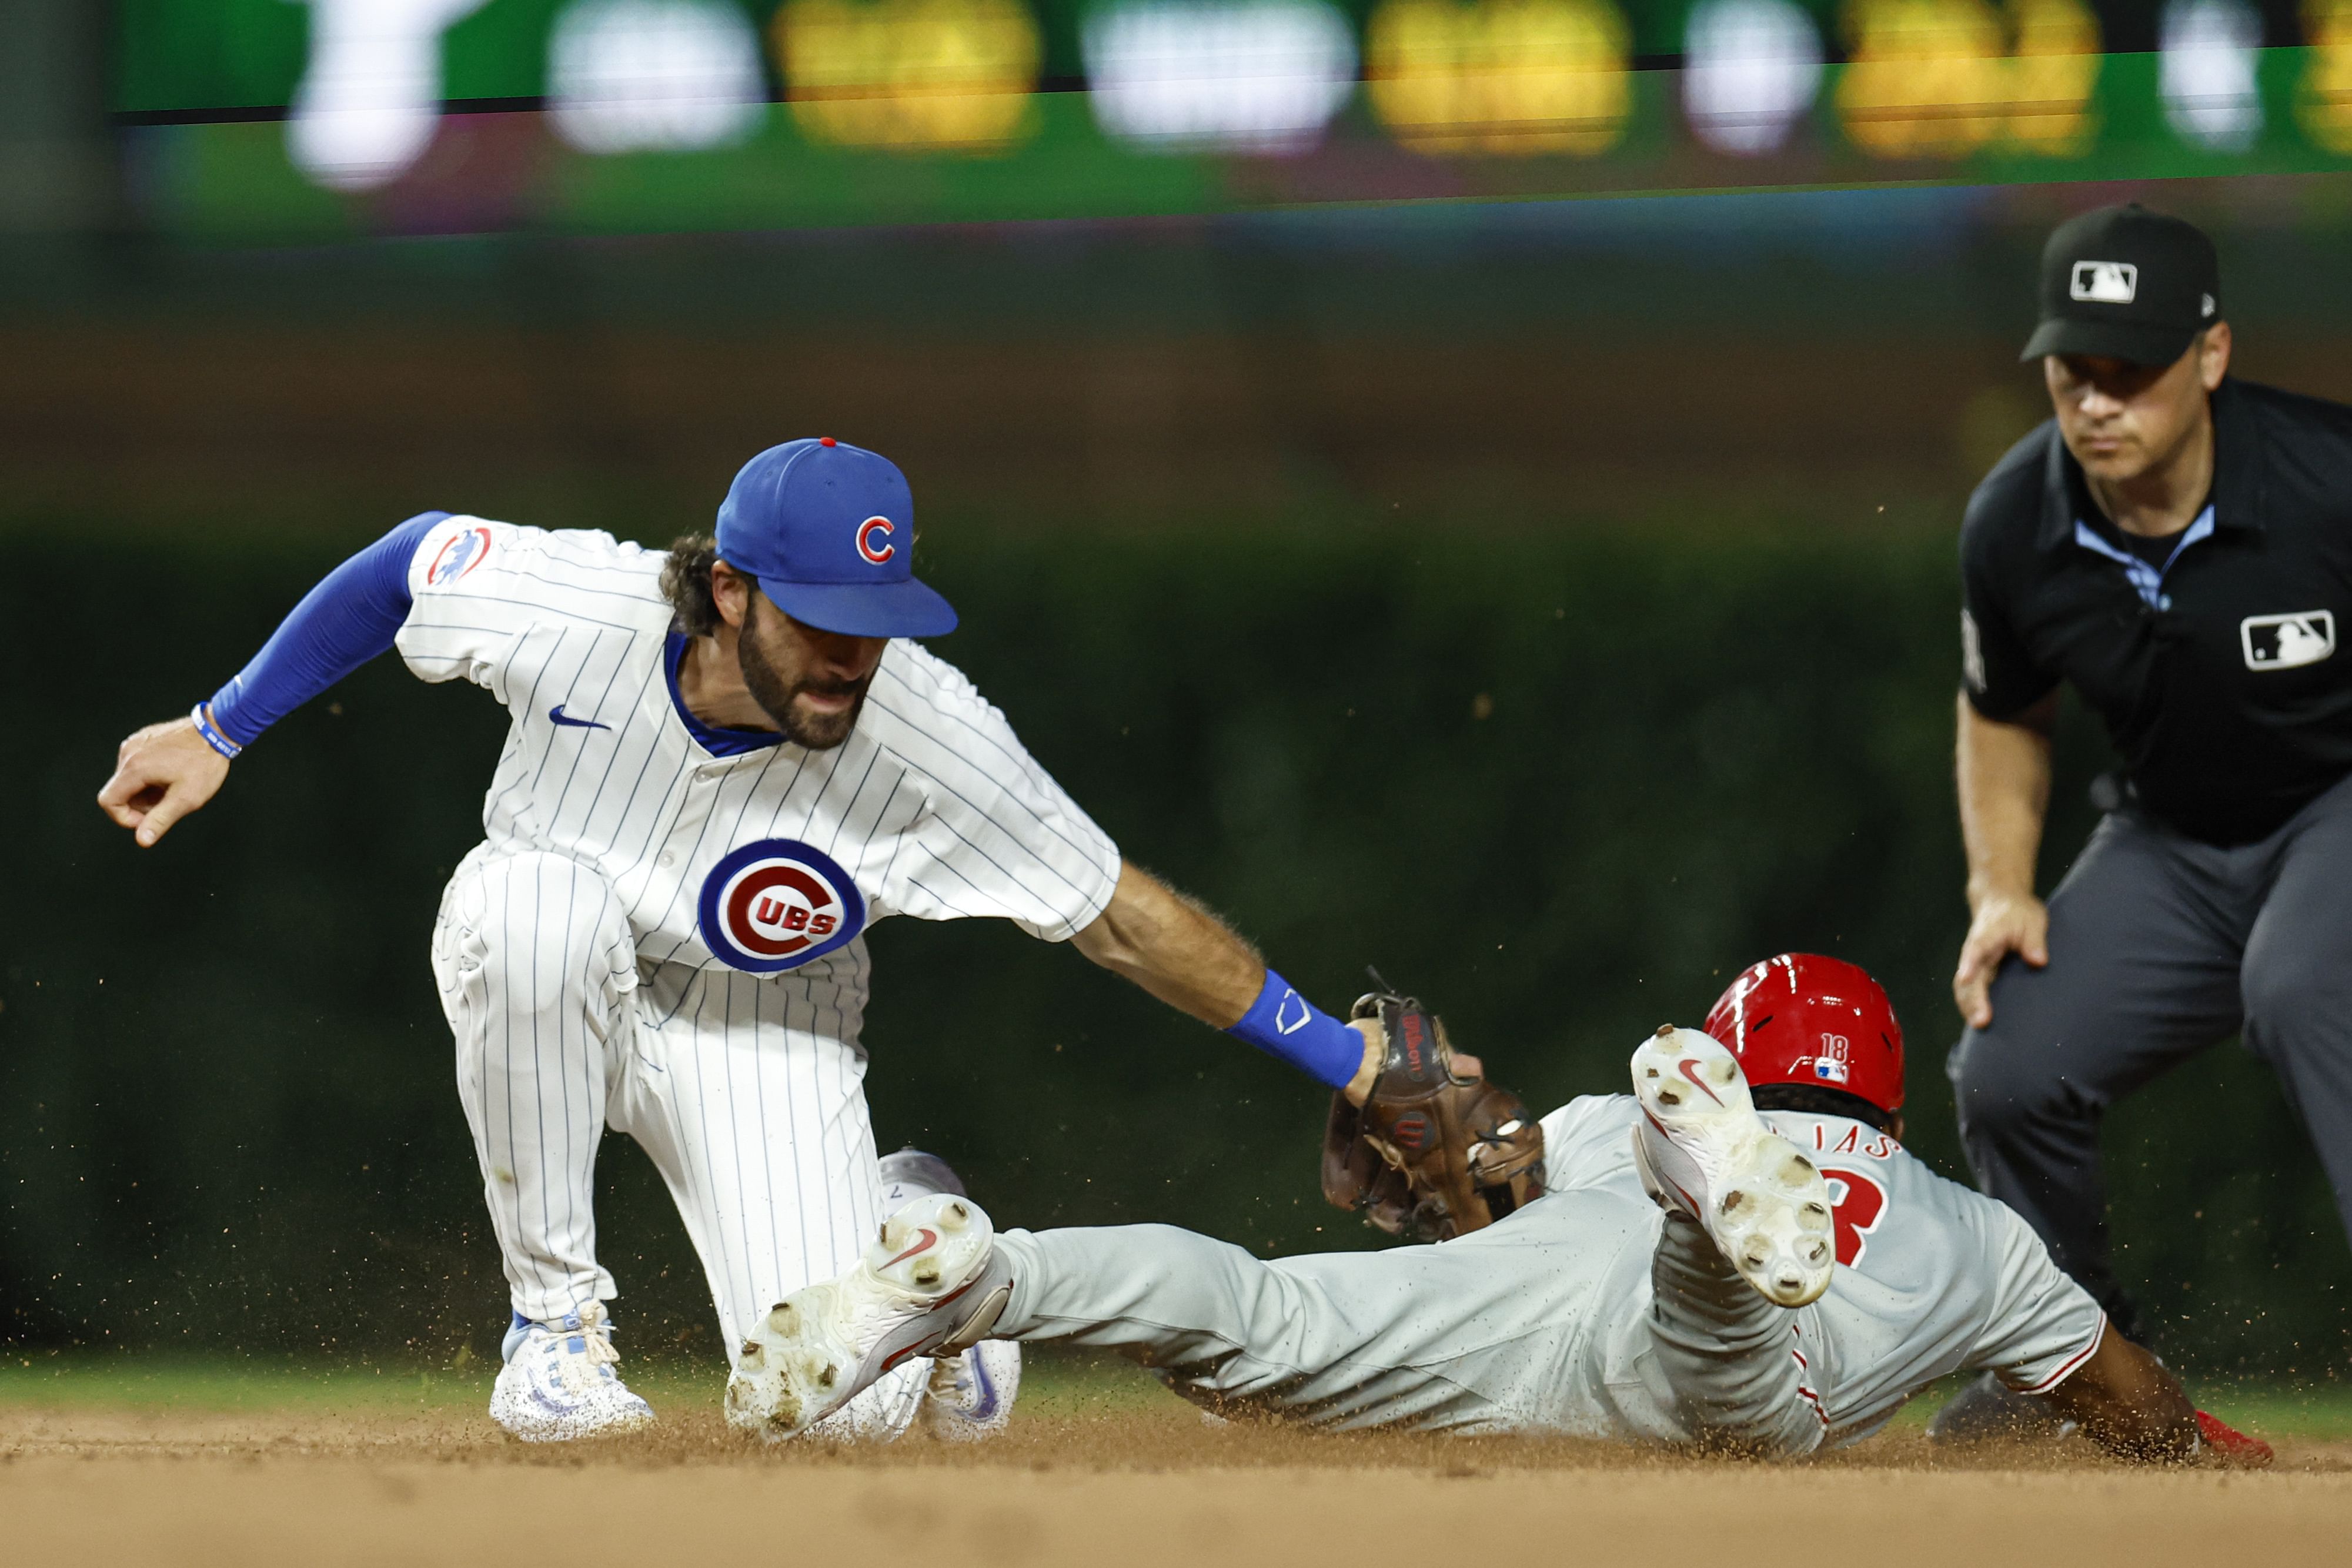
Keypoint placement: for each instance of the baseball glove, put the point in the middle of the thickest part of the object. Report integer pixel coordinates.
(1431, 1154)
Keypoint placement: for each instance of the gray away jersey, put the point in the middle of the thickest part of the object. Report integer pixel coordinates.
(1932, 1278)
(773, 862)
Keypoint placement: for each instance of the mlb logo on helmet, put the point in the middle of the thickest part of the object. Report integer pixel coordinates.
(1829, 1064)
(1802, 1017)
(823, 527)
(776, 904)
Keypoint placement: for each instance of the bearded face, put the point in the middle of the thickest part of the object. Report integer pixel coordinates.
(811, 684)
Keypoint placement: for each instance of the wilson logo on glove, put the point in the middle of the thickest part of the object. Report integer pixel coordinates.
(1433, 1153)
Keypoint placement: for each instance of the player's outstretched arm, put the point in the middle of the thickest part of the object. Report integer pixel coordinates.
(2129, 1404)
(161, 774)
(166, 770)
(1176, 948)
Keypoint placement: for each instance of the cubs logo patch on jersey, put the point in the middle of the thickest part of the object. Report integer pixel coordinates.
(776, 904)
(460, 553)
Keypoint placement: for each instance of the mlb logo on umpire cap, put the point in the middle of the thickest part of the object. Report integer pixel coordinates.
(2125, 283)
(2106, 282)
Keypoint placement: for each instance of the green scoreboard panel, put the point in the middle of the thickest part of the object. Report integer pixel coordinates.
(305, 118)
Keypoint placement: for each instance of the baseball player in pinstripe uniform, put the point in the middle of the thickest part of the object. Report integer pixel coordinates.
(725, 763)
(1693, 1272)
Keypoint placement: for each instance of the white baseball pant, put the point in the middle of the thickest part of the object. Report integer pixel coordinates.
(754, 1113)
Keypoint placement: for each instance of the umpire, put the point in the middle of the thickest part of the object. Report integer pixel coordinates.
(2178, 546)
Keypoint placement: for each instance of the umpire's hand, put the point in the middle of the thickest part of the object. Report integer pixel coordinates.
(2005, 923)
(161, 774)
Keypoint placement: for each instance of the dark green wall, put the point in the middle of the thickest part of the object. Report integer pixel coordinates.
(226, 1110)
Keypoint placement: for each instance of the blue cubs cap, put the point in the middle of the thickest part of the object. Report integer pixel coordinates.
(828, 530)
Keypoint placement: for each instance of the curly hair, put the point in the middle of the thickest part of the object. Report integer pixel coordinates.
(685, 583)
(1821, 1100)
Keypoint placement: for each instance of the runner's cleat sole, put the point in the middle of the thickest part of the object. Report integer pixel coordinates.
(931, 1284)
(1702, 1148)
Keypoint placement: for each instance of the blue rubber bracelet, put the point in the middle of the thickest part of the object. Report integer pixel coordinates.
(212, 737)
(1286, 1025)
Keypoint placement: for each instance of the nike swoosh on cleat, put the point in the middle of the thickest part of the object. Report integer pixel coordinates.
(1688, 1068)
(986, 1405)
(930, 1239)
(560, 716)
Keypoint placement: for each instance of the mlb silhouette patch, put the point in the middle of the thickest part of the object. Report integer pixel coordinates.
(2288, 642)
(2106, 282)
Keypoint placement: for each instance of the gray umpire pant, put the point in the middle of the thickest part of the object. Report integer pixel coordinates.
(1585, 1313)
(2161, 945)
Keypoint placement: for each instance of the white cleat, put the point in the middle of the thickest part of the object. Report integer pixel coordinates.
(1702, 1149)
(969, 1398)
(931, 1284)
(559, 1382)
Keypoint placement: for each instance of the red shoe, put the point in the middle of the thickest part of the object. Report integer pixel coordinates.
(2232, 1445)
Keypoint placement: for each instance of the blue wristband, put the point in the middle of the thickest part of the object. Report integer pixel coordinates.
(212, 737)
(1286, 1025)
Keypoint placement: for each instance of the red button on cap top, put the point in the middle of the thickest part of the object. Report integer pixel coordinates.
(824, 441)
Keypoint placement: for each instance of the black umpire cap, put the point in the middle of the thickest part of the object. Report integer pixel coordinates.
(2126, 284)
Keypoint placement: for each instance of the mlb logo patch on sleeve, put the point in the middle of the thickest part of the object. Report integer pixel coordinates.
(2285, 642)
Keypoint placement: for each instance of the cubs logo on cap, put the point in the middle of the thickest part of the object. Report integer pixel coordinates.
(776, 904)
(827, 529)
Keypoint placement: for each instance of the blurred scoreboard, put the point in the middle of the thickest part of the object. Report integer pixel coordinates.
(306, 118)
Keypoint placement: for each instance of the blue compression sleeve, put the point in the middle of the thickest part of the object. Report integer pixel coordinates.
(349, 618)
(1284, 1024)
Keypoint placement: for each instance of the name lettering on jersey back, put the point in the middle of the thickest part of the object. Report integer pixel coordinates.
(1878, 1147)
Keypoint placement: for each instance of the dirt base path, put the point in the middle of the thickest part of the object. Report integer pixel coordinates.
(1126, 1488)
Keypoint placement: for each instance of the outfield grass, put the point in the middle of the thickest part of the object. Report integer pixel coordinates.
(1051, 1384)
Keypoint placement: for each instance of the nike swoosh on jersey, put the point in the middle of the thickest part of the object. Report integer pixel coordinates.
(560, 716)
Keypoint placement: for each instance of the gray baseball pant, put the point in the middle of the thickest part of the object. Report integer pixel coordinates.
(1583, 1314)
(2161, 945)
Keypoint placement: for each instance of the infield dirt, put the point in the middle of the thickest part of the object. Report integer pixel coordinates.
(1134, 1483)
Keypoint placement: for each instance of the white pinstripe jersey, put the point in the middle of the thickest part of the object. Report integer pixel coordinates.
(1932, 1278)
(773, 861)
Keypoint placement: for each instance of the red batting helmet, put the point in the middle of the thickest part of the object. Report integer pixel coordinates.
(1804, 1018)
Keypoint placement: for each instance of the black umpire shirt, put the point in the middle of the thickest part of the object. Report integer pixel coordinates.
(2212, 655)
